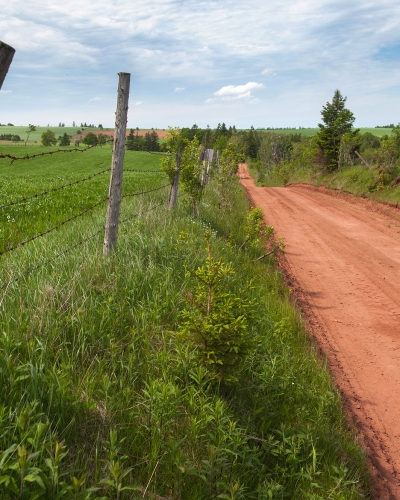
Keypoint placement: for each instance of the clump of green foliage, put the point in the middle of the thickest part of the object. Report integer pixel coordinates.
(48, 138)
(216, 320)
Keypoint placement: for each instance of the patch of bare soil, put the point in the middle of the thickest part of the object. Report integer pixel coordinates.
(343, 262)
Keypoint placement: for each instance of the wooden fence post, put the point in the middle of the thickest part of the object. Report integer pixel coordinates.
(175, 186)
(6, 56)
(114, 193)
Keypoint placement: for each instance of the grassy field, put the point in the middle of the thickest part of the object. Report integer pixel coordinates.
(36, 136)
(310, 132)
(100, 392)
(26, 178)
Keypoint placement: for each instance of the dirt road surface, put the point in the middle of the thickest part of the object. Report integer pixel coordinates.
(343, 262)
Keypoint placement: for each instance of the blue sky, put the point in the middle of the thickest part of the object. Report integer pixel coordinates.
(257, 62)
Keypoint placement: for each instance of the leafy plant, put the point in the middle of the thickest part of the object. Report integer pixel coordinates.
(191, 174)
(225, 177)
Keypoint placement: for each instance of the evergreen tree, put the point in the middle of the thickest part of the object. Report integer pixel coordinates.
(337, 121)
(130, 141)
(65, 141)
(251, 146)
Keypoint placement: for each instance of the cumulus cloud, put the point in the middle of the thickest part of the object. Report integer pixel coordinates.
(179, 89)
(233, 92)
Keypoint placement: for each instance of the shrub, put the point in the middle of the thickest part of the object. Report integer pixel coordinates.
(215, 320)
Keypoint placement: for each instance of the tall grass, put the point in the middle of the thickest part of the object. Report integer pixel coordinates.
(100, 394)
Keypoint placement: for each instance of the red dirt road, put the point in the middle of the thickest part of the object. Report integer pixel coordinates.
(343, 261)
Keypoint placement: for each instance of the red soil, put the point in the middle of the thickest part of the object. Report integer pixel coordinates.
(343, 263)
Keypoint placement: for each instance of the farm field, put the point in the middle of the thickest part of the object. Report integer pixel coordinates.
(25, 178)
(36, 136)
(72, 131)
(99, 390)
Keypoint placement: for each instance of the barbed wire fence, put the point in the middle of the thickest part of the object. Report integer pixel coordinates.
(114, 197)
(117, 163)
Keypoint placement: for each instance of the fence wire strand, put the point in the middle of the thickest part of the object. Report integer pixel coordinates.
(54, 228)
(144, 171)
(138, 193)
(69, 249)
(71, 150)
(48, 261)
(37, 195)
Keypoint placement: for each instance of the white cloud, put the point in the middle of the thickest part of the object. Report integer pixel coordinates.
(5, 91)
(268, 72)
(138, 103)
(233, 92)
(96, 99)
(76, 48)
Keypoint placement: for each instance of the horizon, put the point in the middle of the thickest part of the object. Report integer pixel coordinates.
(205, 63)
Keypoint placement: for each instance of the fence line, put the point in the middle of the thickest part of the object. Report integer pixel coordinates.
(29, 157)
(64, 252)
(54, 228)
(69, 249)
(53, 190)
(144, 171)
(37, 195)
(138, 193)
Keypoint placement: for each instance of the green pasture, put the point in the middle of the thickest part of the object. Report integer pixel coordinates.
(25, 178)
(37, 135)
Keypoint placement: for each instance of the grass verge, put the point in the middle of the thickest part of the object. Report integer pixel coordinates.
(101, 398)
(358, 180)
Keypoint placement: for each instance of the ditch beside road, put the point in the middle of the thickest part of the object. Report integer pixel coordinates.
(342, 261)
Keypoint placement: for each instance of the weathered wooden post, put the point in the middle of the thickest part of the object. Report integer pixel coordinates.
(175, 186)
(114, 193)
(6, 56)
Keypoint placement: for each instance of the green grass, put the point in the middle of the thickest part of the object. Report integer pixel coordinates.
(25, 178)
(357, 180)
(37, 135)
(90, 357)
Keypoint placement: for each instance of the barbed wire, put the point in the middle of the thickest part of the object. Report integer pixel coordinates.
(29, 157)
(53, 228)
(151, 152)
(69, 249)
(37, 195)
(158, 153)
(48, 261)
(144, 171)
(138, 193)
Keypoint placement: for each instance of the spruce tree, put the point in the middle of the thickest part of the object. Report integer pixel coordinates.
(130, 141)
(337, 121)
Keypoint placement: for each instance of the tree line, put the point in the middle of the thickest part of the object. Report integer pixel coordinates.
(336, 146)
